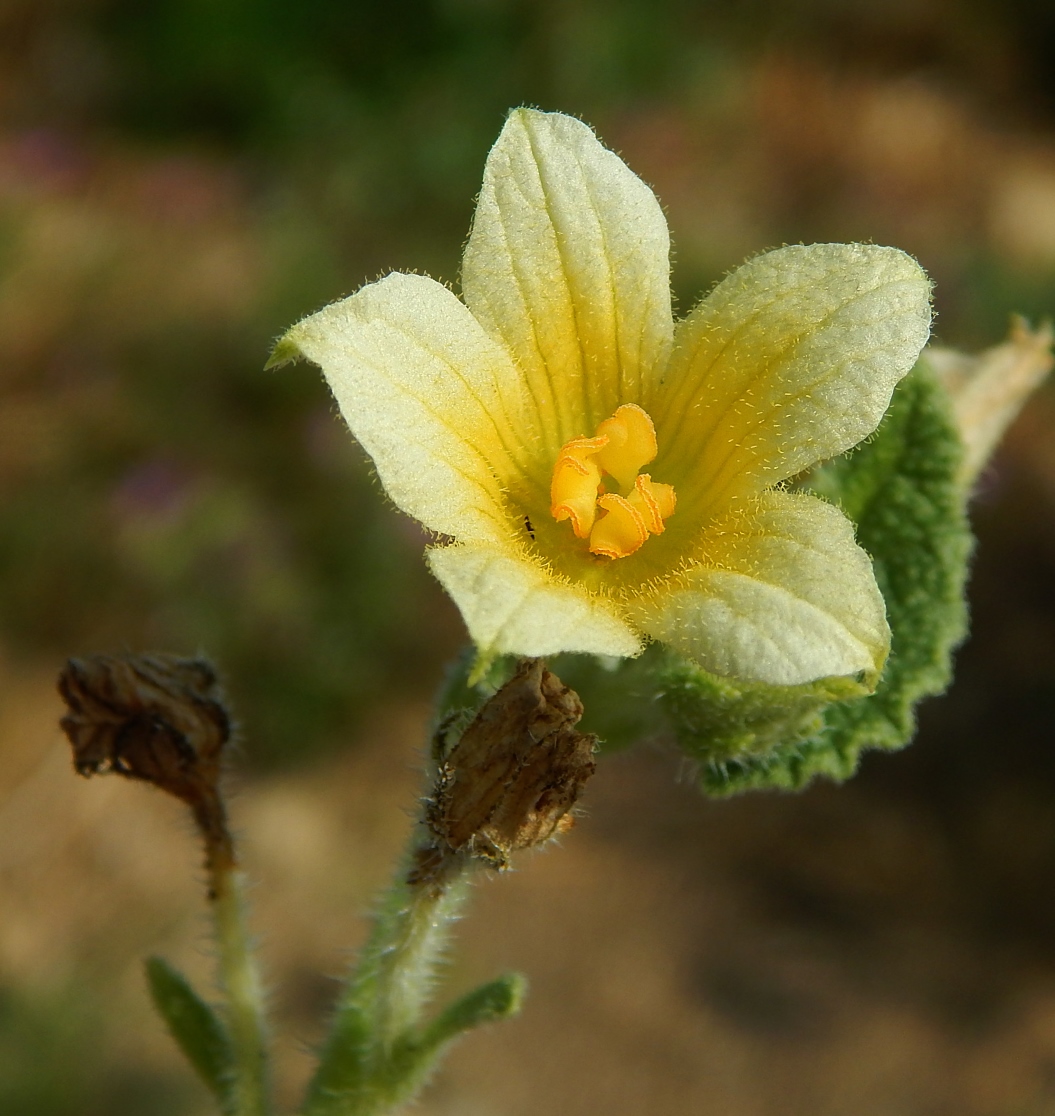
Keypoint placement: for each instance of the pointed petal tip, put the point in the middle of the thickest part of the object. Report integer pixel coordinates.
(284, 352)
(525, 115)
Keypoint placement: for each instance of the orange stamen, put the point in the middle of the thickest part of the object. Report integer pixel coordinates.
(631, 443)
(654, 501)
(573, 489)
(622, 445)
(619, 532)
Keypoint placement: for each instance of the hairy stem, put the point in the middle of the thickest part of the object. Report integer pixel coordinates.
(366, 1066)
(398, 968)
(239, 975)
(507, 783)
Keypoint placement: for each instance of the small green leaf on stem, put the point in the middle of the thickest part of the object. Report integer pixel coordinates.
(416, 1056)
(498, 999)
(194, 1025)
(507, 783)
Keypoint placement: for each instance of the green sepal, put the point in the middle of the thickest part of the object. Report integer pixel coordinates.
(901, 491)
(284, 352)
(198, 1031)
(726, 723)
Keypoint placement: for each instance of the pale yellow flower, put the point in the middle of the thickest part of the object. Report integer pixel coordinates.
(519, 422)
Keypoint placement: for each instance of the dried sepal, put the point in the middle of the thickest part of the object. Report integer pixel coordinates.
(988, 389)
(513, 777)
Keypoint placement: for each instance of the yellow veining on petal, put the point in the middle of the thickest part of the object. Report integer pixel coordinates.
(470, 409)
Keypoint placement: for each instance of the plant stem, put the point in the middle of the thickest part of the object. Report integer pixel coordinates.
(398, 966)
(364, 1069)
(506, 784)
(239, 975)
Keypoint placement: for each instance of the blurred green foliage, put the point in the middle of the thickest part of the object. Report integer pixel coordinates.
(213, 508)
(229, 517)
(380, 118)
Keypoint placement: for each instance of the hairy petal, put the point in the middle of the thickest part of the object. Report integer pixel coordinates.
(568, 265)
(783, 595)
(790, 360)
(512, 605)
(428, 395)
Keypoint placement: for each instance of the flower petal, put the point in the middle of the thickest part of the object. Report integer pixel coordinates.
(512, 605)
(568, 265)
(790, 360)
(427, 394)
(785, 596)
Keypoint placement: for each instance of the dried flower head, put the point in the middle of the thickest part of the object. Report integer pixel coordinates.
(157, 718)
(511, 780)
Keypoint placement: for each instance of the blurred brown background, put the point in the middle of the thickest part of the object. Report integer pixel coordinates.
(181, 179)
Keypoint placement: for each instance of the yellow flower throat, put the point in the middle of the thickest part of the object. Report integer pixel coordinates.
(622, 445)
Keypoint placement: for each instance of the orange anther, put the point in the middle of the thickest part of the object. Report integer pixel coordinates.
(573, 488)
(631, 443)
(621, 531)
(654, 501)
(623, 443)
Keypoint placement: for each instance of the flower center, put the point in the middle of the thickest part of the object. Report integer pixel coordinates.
(616, 525)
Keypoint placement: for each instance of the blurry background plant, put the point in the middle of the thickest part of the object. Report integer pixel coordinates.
(180, 179)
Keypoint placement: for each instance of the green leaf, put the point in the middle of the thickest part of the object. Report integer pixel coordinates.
(415, 1058)
(499, 999)
(901, 491)
(360, 1076)
(194, 1025)
(728, 724)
